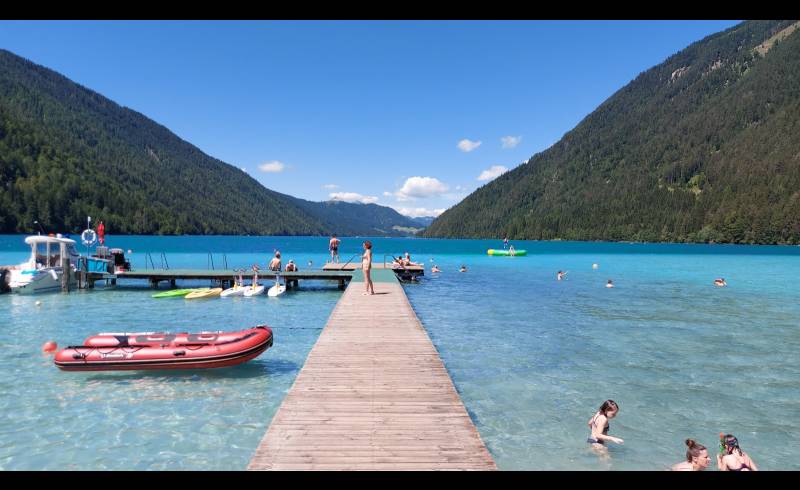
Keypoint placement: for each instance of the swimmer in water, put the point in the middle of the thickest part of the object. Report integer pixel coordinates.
(560, 275)
(720, 281)
(463, 268)
(696, 458)
(598, 425)
(435, 268)
(609, 284)
(733, 459)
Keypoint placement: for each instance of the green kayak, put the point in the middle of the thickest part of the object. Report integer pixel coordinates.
(506, 253)
(174, 293)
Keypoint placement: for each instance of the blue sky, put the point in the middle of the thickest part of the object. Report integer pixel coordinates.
(405, 114)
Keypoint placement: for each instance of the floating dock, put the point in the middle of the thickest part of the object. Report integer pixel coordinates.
(225, 277)
(373, 395)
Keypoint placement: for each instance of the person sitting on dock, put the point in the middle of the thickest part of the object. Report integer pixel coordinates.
(275, 263)
(291, 266)
(407, 260)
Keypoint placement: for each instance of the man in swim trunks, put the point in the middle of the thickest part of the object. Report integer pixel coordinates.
(333, 246)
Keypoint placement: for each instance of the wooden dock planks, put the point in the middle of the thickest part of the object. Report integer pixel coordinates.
(372, 395)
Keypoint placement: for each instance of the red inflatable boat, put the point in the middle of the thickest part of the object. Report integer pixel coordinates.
(149, 350)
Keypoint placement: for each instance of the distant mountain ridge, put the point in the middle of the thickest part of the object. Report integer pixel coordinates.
(702, 147)
(346, 218)
(67, 152)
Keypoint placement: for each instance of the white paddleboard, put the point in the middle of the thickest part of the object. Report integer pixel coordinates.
(254, 291)
(234, 291)
(276, 290)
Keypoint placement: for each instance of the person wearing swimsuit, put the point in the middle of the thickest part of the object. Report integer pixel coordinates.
(734, 458)
(599, 426)
(696, 458)
(333, 246)
(366, 267)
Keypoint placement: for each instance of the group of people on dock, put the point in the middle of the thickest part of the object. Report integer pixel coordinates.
(730, 457)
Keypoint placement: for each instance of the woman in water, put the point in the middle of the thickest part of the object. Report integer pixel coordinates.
(733, 459)
(696, 458)
(463, 268)
(435, 268)
(609, 284)
(560, 275)
(720, 282)
(598, 425)
(366, 266)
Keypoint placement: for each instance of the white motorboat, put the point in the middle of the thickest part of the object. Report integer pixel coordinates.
(42, 272)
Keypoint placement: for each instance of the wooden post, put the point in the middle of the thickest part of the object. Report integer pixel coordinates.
(65, 270)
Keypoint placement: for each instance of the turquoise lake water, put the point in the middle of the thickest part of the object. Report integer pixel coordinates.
(532, 357)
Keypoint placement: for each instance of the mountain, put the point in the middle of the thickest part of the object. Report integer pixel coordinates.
(68, 152)
(346, 218)
(702, 147)
(423, 220)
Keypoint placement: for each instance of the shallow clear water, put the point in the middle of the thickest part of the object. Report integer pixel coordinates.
(532, 357)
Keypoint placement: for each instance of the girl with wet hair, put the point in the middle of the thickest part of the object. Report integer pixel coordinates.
(733, 459)
(696, 457)
(598, 425)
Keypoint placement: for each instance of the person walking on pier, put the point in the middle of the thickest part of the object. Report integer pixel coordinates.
(333, 246)
(366, 266)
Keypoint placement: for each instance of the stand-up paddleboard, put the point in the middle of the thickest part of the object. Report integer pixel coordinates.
(174, 293)
(254, 289)
(207, 293)
(506, 253)
(238, 289)
(277, 289)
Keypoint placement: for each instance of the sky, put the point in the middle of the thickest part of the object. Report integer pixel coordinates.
(409, 114)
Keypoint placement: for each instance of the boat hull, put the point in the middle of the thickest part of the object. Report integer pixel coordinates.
(247, 345)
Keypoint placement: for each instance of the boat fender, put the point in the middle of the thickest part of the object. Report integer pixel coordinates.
(88, 237)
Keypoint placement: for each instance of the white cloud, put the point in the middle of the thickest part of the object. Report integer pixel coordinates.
(510, 141)
(330, 186)
(417, 187)
(272, 167)
(419, 212)
(352, 197)
(467, 146)
(387, 194)
(492, 173)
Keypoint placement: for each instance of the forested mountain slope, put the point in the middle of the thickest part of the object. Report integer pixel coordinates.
(703, 147)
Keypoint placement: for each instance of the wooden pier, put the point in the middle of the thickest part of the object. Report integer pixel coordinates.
(373, 395)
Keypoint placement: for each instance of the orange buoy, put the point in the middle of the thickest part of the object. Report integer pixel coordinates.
(49, 347)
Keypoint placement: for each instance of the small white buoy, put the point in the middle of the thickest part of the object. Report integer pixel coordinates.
(595, 266)
(38, 303)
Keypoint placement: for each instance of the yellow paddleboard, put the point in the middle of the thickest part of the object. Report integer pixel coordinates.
(207, 293)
